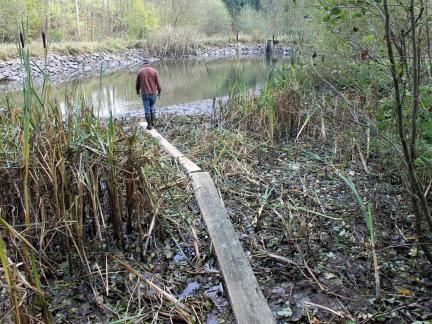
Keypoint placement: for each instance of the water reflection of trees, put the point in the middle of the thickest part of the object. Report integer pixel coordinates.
(182, 81)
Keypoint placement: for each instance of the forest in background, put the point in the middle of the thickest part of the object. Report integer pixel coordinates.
(95, 20)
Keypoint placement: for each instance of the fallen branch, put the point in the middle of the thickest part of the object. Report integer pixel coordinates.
(283, 259)
(337, 313)
(299, 208)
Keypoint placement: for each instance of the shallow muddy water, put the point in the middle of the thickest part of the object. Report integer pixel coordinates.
(183, 81)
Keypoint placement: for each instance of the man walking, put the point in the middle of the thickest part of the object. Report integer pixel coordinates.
(148, 86)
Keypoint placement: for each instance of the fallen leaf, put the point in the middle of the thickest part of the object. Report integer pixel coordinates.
(405, 292)
(329, 275)
(284, 312)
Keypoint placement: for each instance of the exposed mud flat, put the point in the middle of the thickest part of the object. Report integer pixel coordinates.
(199, 107)
(206, 107)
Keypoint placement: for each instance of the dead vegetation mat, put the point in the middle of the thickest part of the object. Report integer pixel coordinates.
(161, 271)
(303, 229)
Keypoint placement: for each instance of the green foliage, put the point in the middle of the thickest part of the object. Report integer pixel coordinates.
(235, 8)
(253, 23)
(276, 112)
(13, 11)
(386, 121)
(207, 16)
(140, 19)
(78, 20)
(96, 20)
(290, 21)
(363, 205)
(214, 18)
(424, 145)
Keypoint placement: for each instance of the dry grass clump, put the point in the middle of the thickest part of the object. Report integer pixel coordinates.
(281, 109)
(289, 106)
(169, 41)
(9, 51)
(164, 42)
(75, 48)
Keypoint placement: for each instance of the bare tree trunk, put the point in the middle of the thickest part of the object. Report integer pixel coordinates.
(77, 18)
(92, 36)
(428, 37)
(108, 8)
(416, 103)
(416, 80)
(63, 12)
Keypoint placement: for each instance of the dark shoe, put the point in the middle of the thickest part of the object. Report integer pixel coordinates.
(149, 121)
(153, 118)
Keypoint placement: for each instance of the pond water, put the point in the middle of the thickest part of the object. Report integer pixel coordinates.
(183, 81)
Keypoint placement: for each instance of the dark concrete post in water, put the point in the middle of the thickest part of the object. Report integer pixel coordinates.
(269, 49)
(268, 60)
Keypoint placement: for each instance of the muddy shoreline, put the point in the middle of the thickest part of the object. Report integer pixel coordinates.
(59, 68)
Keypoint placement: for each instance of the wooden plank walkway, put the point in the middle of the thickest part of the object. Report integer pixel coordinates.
(247, 301)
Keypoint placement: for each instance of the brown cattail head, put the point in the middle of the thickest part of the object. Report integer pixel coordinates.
(22, 39)
(44, 40)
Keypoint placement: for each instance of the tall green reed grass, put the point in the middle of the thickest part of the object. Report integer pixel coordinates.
(367, 210)
(277, 111)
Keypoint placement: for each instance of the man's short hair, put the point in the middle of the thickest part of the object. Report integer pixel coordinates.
(146, 61)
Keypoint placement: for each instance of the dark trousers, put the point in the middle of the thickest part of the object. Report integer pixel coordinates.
(149, 101)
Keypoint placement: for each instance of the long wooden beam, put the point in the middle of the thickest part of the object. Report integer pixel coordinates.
(247, 301)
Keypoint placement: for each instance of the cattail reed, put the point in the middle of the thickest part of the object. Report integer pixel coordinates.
(22, 39)
(44, 40)
(67, 175)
